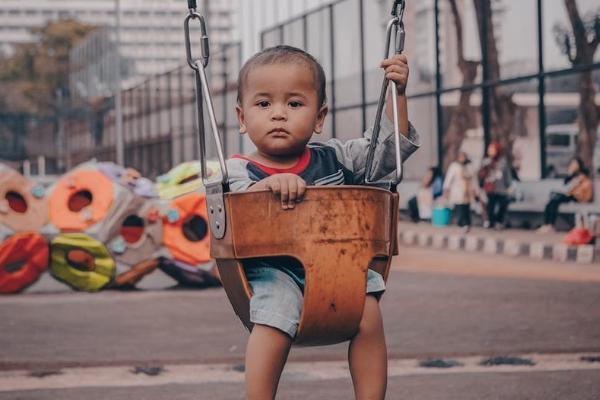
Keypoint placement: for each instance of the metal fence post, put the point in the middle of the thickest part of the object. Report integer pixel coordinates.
(541, 91)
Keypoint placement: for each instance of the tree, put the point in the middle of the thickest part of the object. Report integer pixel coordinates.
(31, 81)
(579, 44)
(33, 77)
(461, 116)
(502, 107)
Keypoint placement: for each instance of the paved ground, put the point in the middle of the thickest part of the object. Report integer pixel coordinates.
(459, 306)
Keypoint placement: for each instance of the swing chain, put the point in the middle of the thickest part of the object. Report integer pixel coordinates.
(395, 28)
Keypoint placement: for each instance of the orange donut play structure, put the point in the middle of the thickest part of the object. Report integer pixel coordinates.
(23, 206)
(80, 199)
(23, 259)
(87, 200)
(185, 229)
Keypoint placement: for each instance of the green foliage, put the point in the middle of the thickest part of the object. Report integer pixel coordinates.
(32, 77)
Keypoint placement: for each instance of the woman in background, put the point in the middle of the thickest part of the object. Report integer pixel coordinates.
(578, 188)
(420, 205)
(460, 189)
(495, 178)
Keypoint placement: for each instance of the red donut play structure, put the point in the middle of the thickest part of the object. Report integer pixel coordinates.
(23, 259)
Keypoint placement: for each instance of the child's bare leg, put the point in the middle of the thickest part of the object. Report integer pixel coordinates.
(367, 354)
(266, 353)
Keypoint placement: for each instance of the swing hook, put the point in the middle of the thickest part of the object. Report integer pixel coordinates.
(204, 49)
(398, 22)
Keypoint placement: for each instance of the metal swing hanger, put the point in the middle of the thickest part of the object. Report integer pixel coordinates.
(395, 27)
(214, 188)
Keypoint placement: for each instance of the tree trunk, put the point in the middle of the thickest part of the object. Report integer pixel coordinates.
(588, 119)
(588, 114)
(461, 116)
(502, 108)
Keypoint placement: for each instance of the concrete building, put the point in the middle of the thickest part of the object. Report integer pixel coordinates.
(151, 30)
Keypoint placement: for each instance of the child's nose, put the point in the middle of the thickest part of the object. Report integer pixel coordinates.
(279, 113)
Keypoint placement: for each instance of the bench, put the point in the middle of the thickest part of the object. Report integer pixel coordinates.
(531, 198)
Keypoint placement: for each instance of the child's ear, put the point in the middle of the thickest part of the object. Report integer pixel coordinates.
(321, 119)
(240, 115)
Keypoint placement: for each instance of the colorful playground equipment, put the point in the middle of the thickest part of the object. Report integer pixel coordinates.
(81, 262)
(184, 178)
(137, 246)
(23, 205)
(104, 226)
(23, 259)
(86, 200)
(129, 178)
(186, 241)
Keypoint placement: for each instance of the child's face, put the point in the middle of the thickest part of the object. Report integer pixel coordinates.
(280, 108)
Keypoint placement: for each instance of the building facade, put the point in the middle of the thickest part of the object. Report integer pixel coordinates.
(151, 30)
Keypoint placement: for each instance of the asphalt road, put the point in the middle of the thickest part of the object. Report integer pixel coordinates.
(438, 305)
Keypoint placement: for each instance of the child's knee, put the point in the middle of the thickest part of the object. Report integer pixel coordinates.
(271, 334)
(371, 322)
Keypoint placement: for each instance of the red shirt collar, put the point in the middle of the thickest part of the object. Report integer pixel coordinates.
(297, 169)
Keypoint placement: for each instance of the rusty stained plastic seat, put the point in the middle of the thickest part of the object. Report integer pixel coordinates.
(335, 232)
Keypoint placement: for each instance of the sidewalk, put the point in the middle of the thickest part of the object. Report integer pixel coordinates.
(509, 242)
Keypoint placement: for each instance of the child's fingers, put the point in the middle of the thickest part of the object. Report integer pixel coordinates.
(274, 186)
(396, 68)
(285, 194)
(301, 189)
(397, 77)
(396, 59)
(293, 192)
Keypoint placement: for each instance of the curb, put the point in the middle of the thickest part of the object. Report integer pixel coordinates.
(585, 254)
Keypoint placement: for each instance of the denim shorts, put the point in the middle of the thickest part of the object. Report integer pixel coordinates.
(277, 299)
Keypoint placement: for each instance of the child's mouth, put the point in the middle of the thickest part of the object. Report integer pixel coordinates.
(278, 132)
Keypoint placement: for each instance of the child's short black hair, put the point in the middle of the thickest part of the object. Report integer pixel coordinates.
(284, 54)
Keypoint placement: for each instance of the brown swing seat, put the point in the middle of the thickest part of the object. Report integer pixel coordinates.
(336, 233)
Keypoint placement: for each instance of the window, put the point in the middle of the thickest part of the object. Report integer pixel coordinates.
(558, 139)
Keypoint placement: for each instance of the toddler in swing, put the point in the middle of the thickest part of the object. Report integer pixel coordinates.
(281, 104)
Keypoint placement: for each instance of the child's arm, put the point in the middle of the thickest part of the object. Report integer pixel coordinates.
(353, 153)
(289, 187)
(396, 70)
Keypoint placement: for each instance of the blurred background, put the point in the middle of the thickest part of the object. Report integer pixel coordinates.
(100, 191)
(481, 71)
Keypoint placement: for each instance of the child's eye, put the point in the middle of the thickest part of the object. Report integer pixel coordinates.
(263, 104)
(295, 104)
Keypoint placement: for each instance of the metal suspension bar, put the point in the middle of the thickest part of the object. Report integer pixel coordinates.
(215, 188)
(394, 27)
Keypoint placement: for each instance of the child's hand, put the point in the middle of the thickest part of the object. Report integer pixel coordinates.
(290, 187)
(396, 69)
